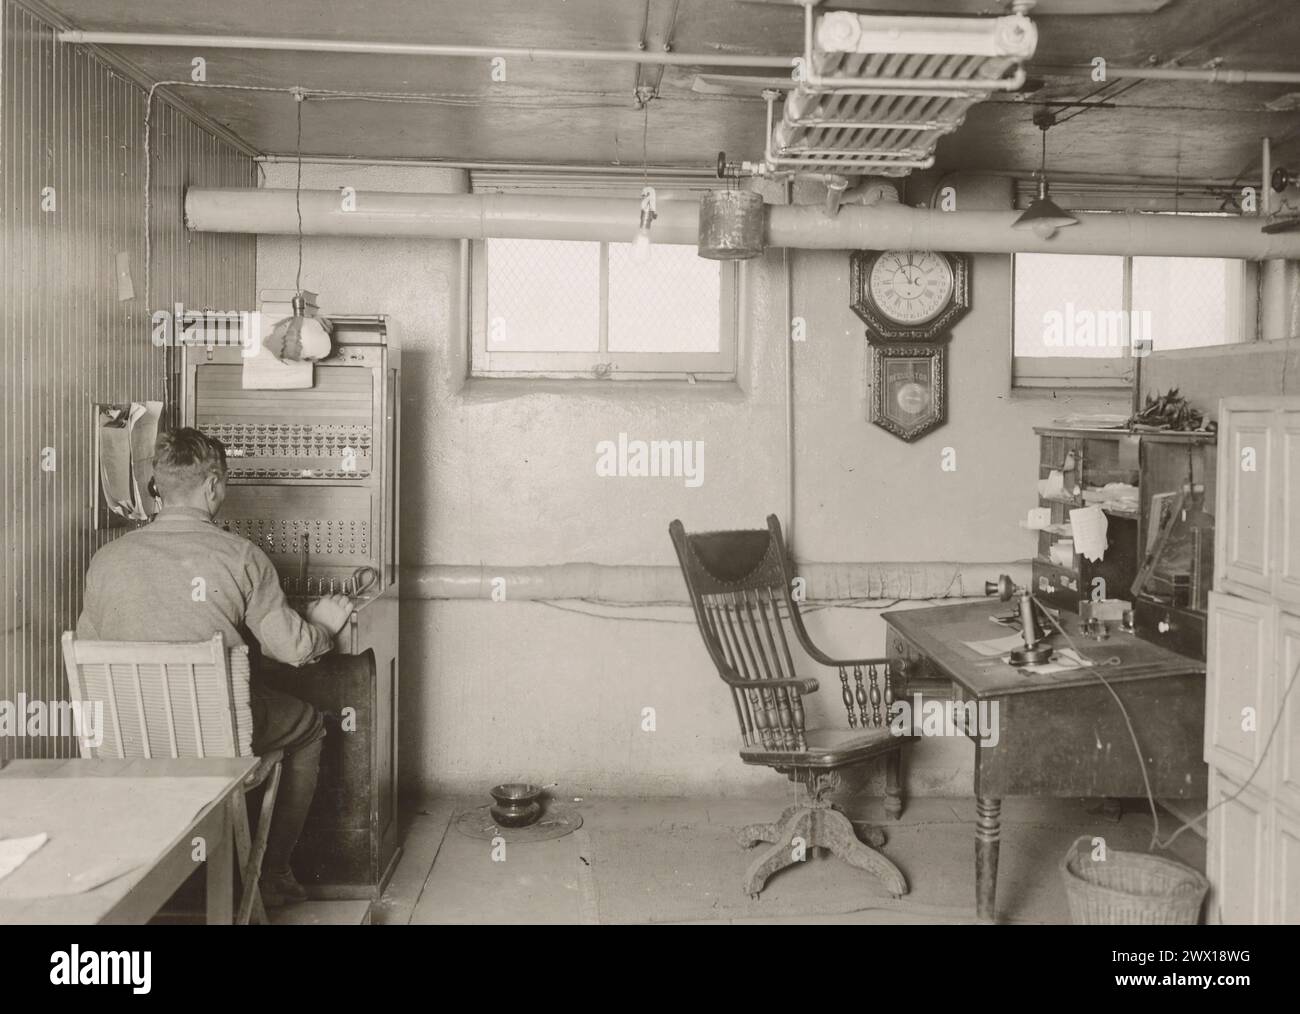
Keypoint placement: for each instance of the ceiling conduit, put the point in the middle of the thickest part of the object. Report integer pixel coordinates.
(808, 227)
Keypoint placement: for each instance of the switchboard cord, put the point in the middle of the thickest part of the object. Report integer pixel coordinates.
(1151, 799)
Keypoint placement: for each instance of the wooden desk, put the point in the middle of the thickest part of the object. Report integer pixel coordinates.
(1058, 734)
(201, 794)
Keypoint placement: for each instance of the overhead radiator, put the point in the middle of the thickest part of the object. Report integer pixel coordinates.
(874, 94)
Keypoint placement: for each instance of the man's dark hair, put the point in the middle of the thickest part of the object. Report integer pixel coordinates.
(185, 457)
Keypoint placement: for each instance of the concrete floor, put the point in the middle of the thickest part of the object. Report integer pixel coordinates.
(676, 860)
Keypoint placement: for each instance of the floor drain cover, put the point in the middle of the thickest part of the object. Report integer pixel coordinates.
(556, 822)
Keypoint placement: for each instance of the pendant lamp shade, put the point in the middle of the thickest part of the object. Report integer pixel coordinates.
(1044, 216)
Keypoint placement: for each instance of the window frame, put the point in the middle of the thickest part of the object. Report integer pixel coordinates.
(1114, 373)
(602, 364)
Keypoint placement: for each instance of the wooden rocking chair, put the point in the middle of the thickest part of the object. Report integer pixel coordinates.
(740, 585)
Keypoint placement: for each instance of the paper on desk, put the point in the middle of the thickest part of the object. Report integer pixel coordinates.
(14, 851)
(995, 646)
(1089, 527)
(1053, 485)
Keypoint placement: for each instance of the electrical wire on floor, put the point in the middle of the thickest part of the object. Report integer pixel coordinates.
(1151, 799)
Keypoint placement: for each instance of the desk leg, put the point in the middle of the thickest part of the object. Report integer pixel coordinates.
(988, 827)
(221, 867)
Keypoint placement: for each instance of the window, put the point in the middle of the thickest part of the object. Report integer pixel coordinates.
(559, 308)
(1080, 320)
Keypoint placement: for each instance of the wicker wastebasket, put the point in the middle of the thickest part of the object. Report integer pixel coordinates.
(1130, 888)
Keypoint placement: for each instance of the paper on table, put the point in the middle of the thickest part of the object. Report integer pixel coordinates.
(1089, 526)
(1053, 485)
(996, 646)
(14, 851)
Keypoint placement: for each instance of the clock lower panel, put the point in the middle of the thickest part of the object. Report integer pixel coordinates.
(908, 389)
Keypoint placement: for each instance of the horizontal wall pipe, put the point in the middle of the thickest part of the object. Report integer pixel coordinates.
(558, 169)
(251, 42)
(628, 585)
(1214, 75)
(526, 216)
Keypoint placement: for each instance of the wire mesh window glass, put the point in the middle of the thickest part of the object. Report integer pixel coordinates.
(1079, 320)
(543, 295)
(1060, 301)
(1191, 301)
(671, 304)
(559, 308)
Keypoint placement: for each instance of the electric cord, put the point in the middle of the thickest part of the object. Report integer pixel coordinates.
(1151, 800)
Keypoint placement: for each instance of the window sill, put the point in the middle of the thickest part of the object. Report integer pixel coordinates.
(1070, 390)
(495, 389)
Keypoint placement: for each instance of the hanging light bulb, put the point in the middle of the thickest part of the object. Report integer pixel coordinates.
(641, 241)
(315, 341)
(301, 336)
(1044, 216)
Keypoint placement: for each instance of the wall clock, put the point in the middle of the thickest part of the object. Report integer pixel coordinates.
(909, 395)
(909, 295)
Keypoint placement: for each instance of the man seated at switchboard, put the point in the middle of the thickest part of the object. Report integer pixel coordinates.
(182, 578)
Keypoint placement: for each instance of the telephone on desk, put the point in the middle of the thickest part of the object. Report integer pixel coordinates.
(1036, 650)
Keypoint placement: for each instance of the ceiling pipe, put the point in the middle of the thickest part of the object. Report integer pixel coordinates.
(421, 49)
(709, 172)
(1214, 75)
(526, 216)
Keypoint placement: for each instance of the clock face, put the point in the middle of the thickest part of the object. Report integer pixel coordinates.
(911, 286)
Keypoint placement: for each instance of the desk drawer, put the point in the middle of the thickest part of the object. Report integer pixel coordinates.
(911, 671)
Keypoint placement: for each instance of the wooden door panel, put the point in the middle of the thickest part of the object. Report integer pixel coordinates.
(1246, 478)
(1239, 701)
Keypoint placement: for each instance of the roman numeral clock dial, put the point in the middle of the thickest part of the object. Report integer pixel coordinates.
(908, 295)
(911, 287)
(909, 300)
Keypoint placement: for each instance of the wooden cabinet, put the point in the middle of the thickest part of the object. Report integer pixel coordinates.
(1239, 860)
(1237, 699)
(1086, 460)
(1253, 657)
(1246, 501)
(1286, 744)
(1287, 579)
(1286, 866)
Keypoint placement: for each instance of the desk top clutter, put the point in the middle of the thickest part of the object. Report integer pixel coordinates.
(947, 633)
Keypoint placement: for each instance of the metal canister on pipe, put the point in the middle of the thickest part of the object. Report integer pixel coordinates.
(731, 225)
